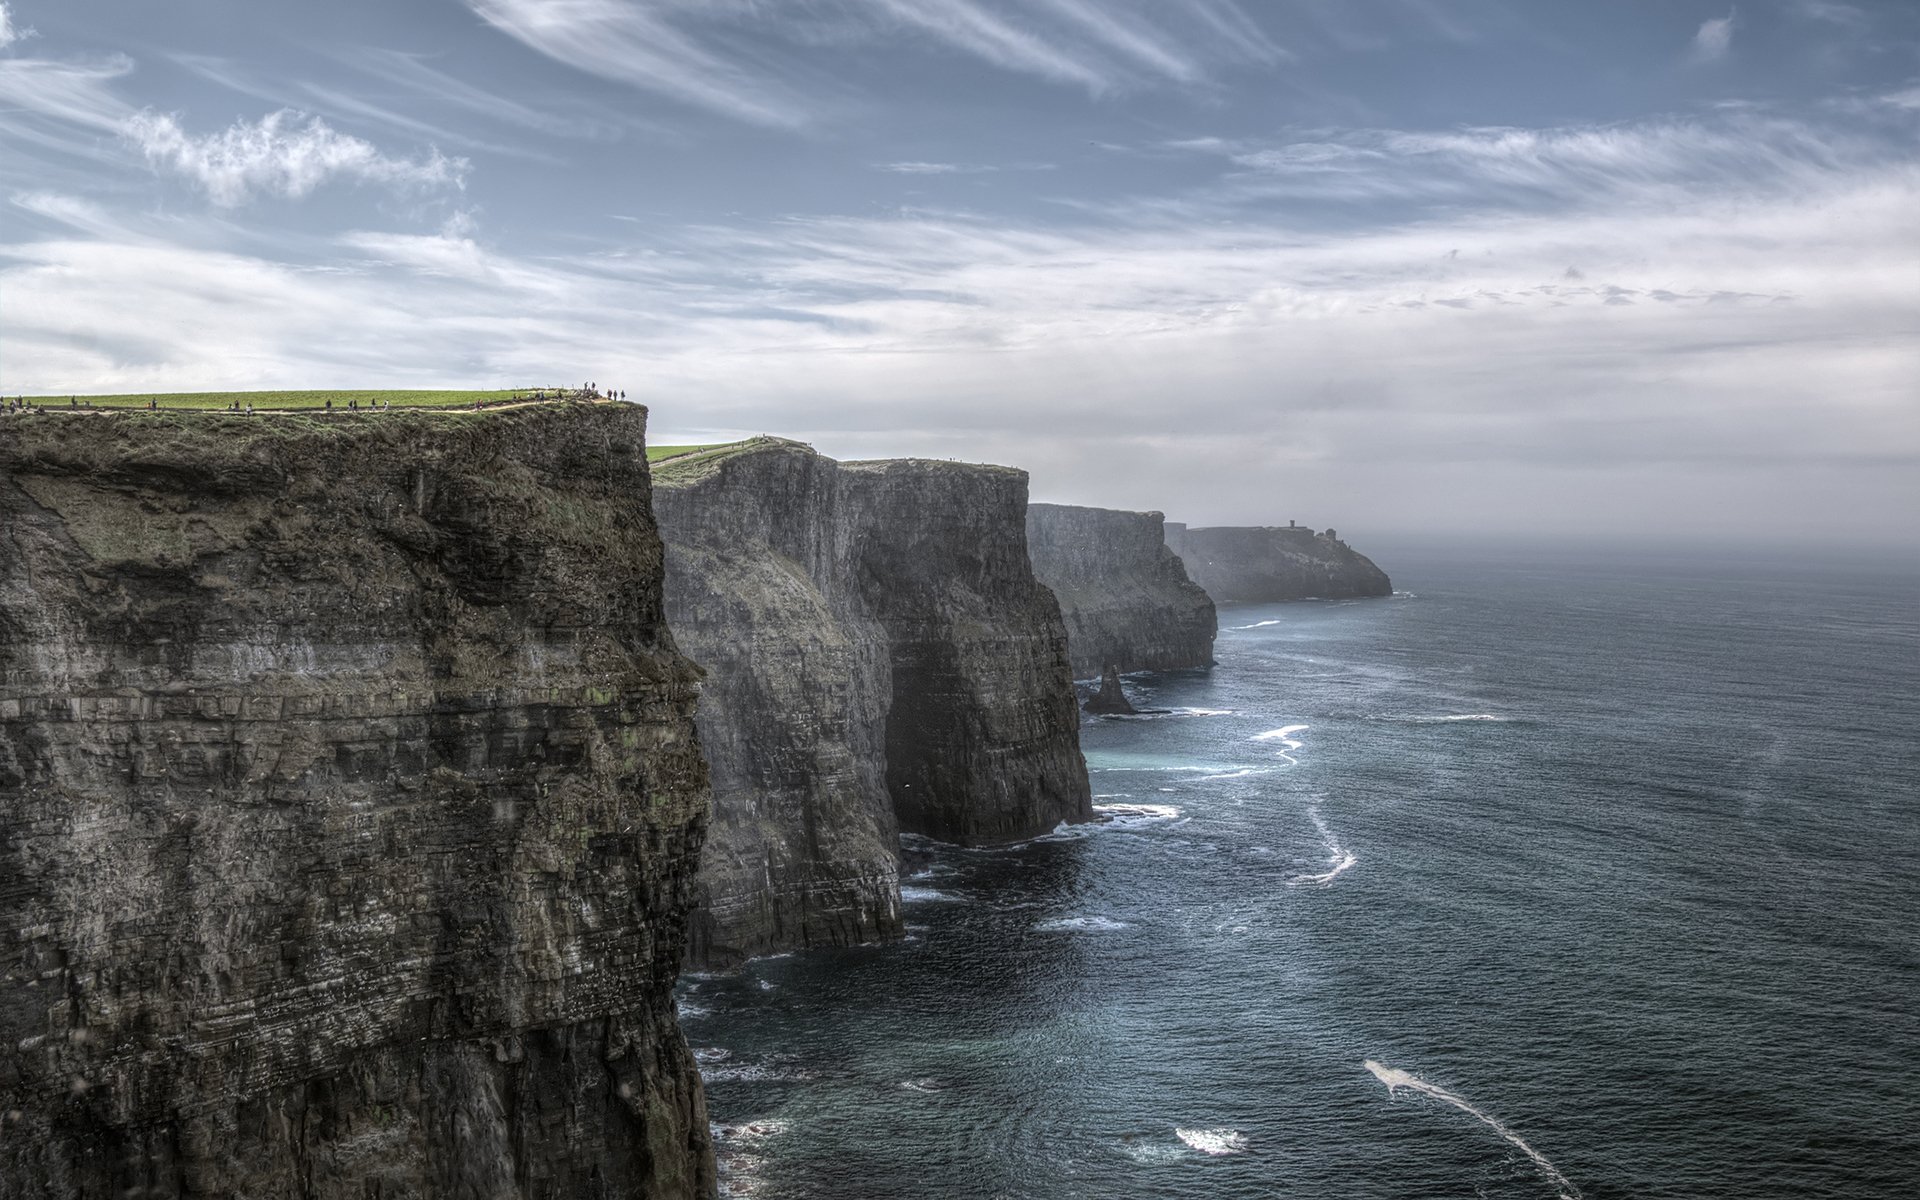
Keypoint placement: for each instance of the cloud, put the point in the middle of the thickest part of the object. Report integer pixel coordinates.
(277, 155)
(9, 33)
(693, 51)
(1714, 39)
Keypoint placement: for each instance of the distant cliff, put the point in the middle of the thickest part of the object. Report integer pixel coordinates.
(880, 658)
(349, 808)
(1257, 564)
(1124, 593)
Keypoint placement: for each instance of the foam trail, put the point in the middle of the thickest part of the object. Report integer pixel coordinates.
(1257, 625)
(1397, 1079)
(1283, 735)
(1337, 855)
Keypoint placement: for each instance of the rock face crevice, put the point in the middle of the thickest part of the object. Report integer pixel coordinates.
(350, 803)
(1264, 564)
(880, 659)
(1125, 594)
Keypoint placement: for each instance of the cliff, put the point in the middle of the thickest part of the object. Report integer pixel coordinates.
(879, 659)
(1260, 564)
(1124, 593)
(763, 592)
(350, 803)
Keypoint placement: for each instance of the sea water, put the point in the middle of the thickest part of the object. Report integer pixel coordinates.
(1544, 877)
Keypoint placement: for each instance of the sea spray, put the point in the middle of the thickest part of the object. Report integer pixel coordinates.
(1396, 1079)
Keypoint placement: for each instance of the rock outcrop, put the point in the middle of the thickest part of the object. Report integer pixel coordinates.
(1111, 700)
(1262, 564)
(880, 659)
(350, 803)
(1126, 596)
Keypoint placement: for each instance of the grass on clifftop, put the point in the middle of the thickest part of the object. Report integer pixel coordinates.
(284, 401)
(662, 453)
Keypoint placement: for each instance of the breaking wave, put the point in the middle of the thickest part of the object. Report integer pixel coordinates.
(1255, 625)
(1396, 1079)
(918, 895)
(1080, 925)
(1215, 1142)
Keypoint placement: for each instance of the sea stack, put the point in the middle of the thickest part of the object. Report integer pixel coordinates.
(1111, 699)
(350, 803)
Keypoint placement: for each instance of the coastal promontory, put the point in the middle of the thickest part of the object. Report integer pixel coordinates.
(1263, 564)
(879, 659)
(1125, 594)
(350, 803)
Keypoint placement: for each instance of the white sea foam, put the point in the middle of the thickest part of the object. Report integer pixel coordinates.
(1153, 1154)
(1242, 773)
(920, 895)
(1080, 925)
(1202, 712)
(1283, 734)
(1338, 858)
(1256, 625)
(1288, 743)
(1215, 1142)
(927, 1084)
(753, 1073)
(1117, 817)
(1396, 1079)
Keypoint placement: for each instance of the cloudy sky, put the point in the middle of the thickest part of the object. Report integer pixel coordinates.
(1626, 269)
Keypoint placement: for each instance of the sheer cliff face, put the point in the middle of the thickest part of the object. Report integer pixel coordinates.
(1261, 564)
(983, 738)
(879, 657)
(349, 807)
(1125, 594)
(762, 592)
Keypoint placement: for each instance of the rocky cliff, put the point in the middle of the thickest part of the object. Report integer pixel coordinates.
(1124, 593)
(349, 808)
(1260, 564)
(763, 591)
(880, 658)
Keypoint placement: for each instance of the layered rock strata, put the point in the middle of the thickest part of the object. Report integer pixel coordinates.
(350, 803)
(1125, 595)
(1262, 564)
(880, 659)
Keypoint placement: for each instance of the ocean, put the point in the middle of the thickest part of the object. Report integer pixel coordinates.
(1588, 876)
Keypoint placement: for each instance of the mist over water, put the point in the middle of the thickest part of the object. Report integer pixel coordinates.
(1607, 872)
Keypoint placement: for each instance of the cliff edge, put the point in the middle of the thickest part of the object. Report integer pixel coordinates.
(879, 659)
(1262, 564)
(1124, 593)
(350, 803)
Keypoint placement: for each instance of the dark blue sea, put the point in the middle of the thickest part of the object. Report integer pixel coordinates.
(1608, 865)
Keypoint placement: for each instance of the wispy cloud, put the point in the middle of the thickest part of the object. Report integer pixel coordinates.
(691, 51)
(9, 32)
(1714, 38)
(280, 155)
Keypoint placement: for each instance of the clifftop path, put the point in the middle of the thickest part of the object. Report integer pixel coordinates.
(349, 807)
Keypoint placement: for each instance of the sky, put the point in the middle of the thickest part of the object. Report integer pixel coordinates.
(1644, 269)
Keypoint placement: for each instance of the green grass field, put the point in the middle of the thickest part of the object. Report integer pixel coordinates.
(287, 401)
(660, 453)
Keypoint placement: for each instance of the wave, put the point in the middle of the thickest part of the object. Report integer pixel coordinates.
(1215, 1142)
(920, 895)
(1081, 925)
(1397, 1079)
(1256, 625)
(1339, 858)
(1120, 817)
(1437, 719)
(925, 1085)
(753, 1073)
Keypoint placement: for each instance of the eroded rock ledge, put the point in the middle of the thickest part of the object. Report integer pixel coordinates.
(1263, 564)
(1124, 593)
(350, 803)
(880, 659)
